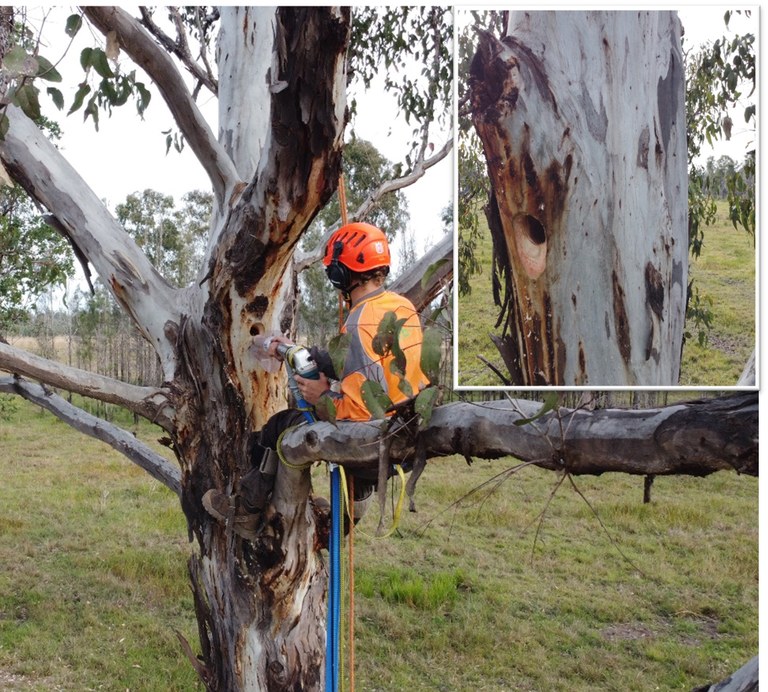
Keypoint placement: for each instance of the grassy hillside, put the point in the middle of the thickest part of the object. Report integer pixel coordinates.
(724, 275)
(522, 588)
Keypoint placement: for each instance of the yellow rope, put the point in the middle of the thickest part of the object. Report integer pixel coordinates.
(281, 456)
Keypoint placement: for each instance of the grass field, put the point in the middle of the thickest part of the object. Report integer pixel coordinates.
(724, 274)
(495, 591)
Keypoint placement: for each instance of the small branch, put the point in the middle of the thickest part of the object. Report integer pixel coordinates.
(149, 402)
(124, 442)
(180, 48)
(143, 50)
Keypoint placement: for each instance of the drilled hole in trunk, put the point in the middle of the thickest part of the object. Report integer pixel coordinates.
(530, 239)
(532, 227)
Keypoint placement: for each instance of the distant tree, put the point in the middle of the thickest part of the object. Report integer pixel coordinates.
(174, 239)
(33, 257)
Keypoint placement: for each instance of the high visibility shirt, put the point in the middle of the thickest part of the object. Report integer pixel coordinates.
(363, 363)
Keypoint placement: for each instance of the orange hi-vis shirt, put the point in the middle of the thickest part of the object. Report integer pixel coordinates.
(363, 363)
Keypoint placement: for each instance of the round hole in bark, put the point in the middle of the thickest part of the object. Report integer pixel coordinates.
(532, 227)
(256, 329)
(530, 240)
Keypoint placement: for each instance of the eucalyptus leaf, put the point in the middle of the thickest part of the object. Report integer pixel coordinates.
(375, 399)
(20, 63)
(56, 96)
(100, 63)
(74, 22)
(326, 409)
(338, 347)
(46, 70)
(425, 404)
(26, 98)
(432, 269)
(552, 400)
(431, 353)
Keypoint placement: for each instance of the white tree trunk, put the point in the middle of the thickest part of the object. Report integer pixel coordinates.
(582, 119)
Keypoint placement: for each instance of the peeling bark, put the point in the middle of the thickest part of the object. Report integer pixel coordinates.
(582, 120)
(271, 174)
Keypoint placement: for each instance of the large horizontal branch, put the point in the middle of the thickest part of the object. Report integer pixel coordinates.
(150, 402)
(34, 163)
(124, 442)
(694, 438)
(143, 50)
(302, 259)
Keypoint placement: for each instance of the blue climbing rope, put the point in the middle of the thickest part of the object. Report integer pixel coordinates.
(333, 630)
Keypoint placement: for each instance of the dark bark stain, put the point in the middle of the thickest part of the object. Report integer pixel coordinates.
(654, 290)
(620, 319)
(643, 145)
(596, 120)
(668, 92)
(581, 377)
(258, 306)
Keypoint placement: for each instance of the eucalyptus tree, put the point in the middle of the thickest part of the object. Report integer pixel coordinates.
(281, 76)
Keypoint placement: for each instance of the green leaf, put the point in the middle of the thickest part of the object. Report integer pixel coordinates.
(550, 402)
(338, 348)
(4, 124)
(100, 63)
(432, 269)
(18, 62)
(86, 56)
(326, 409)
(375, 399)
(26, 99)
(405, 387)
(431, 353)
(46, 70)
(80, 95)
(74, 22)
(385, 334)
(56, 96)
(425, 404)
(144, 98)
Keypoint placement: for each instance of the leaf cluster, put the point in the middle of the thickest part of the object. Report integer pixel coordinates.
(388, 41)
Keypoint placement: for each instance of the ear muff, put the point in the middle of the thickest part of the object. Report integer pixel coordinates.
(338, 274)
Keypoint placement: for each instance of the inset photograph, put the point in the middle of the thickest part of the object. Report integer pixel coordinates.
(606, 198)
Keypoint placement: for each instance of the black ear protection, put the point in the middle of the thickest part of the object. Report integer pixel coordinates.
(337, 273)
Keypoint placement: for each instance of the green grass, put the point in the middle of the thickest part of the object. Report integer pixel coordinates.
(723, 274)
(499, 591)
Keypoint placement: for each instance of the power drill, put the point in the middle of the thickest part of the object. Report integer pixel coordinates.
(297, 358)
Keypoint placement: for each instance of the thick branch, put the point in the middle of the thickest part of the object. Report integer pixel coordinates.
(143, 50)
(149, 402)
(124, 442)
(695, 438)
(34, 163)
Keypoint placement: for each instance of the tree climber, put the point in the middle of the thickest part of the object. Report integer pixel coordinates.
(357, 262)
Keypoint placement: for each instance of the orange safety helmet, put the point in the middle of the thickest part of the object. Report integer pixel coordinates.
(357, 247)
